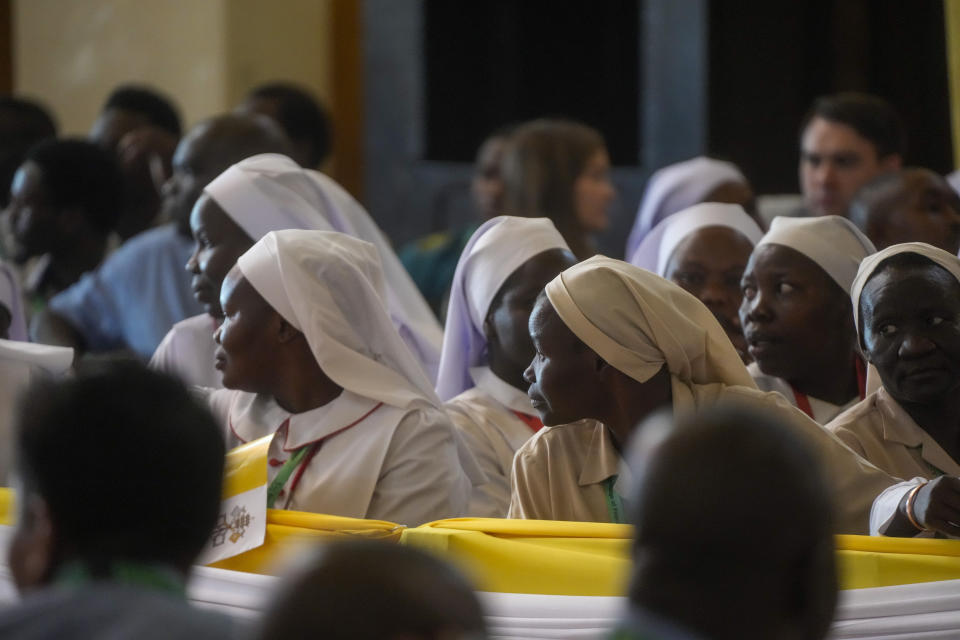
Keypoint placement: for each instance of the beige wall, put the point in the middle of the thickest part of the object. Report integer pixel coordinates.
(204, 53)
(71, 54)
(270, 40)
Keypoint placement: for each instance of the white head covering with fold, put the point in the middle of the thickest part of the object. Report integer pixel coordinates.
(637, 322)
(954, 180)
(12, 299)
(657, 248)
(330, 287)
(498, 248)
(834, 243)
(870, 264)
(270, 192)
(676, 187)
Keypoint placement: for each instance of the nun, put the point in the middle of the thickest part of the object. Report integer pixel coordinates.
(310, 356)
(616, 344)
(678, 186)
(486, 346)
(270, 192)
(907, 308)
(796, 313)
(705, 250)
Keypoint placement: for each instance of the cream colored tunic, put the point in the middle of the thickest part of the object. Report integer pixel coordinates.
(376, 461)
(881, 431)
(485, 419)
(823, 411)
(558, 474)
(187, 351)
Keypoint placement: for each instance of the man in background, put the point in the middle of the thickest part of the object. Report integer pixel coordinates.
(845, 140)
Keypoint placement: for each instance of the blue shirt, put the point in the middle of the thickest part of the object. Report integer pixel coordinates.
(135, 296)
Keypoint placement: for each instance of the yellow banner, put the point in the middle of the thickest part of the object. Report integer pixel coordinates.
(572, 558)
(289, 533)
(246, 467)
(951, 13)
(558, 558)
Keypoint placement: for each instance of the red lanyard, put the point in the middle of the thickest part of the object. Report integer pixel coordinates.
(531, 421)
(302, 460)
(803, 402)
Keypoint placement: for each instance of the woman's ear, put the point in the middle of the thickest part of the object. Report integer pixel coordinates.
(286, 331)
(488, 331)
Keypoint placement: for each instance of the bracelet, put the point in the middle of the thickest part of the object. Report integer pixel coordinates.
(909, 507)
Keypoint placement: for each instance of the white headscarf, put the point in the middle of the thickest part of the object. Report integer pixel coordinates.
(870, 264)
(330, 287)
(498, 248)
(12, 299)
(834, 243)
(271, 192)
(657, 248)
(637, 322)
(676, 187)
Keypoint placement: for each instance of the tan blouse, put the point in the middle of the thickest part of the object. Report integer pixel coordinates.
(881, 431)
(559, 474)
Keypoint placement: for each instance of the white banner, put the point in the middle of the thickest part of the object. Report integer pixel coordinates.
(241, 526)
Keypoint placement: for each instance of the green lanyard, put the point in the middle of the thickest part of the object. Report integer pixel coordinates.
(273, 491)
(614, 503)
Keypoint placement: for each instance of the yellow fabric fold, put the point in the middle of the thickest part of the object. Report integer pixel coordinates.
(246, 467)
(292, 532)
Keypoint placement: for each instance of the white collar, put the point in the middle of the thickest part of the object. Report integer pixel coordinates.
(253, 416)
(501, 391)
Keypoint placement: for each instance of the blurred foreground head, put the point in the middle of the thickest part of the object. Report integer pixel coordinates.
(364, 590)
(733, 530)
(118, 466)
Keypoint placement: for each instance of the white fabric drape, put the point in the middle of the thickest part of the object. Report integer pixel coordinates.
(498, 248)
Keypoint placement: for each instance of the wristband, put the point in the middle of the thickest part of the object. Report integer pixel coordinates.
(909, 507)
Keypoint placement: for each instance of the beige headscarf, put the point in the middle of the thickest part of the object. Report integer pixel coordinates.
(637, 322)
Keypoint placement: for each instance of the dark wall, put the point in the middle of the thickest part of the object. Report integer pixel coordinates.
(663, 80)
(769, 60)
(499, 62)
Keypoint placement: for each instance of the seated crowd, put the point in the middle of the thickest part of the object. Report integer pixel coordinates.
(788, 363)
